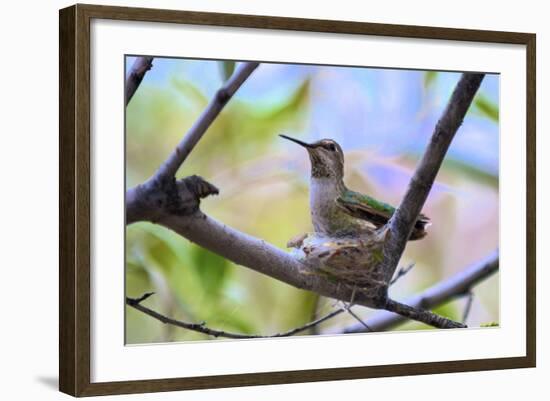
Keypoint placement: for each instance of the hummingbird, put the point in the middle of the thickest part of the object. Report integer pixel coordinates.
(337, 211)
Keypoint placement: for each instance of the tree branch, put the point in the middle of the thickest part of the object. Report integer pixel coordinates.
(421, 315)
(202, 328)
(256, 254)
(267, 259)
(224, 94)
(458, 285)
(175, 205)
(137, 72)
(144, 201)
(403, 220)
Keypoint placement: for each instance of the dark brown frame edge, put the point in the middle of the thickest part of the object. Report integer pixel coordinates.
(74, 199)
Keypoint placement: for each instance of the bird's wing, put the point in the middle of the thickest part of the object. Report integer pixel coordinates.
(367, 208)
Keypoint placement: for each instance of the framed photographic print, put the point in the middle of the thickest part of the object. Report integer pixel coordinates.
(251, 200)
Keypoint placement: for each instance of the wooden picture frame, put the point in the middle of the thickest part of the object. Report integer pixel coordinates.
(75, 204)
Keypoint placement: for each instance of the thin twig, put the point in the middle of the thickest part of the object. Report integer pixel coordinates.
(356, 317)
(315, 312)
(454, 286)
(202, 328)
(137, 72)
(401, 272)
(403, 220)
(348, 306)
(468, 307)
(135, 301)
(322, 319)
(224, 94)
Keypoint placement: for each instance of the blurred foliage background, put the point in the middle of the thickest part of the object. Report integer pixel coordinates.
(383, 119)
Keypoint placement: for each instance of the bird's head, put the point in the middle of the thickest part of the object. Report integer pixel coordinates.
(326, 156)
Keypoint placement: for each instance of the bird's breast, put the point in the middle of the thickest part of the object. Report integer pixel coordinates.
(326, 215)
(323, 194)
(323, 206)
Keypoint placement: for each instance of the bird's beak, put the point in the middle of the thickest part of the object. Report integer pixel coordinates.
(304, 144)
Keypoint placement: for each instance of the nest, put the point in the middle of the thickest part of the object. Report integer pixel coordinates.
(352, 261)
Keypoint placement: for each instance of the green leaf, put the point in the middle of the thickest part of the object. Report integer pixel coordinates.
(489, 324)
(227, 68)
(211, 268)
(294, 102)
(305, 303)
(161, 254)
(190, 92)
(172, 255)
(137, 279)
(472, 172)
(178, 245)
(233, 322)
(486, 107)
(459, 167)
(448, 310)
(429, 78)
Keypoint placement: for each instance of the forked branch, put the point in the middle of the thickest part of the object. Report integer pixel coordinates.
(175, 205)
(223, 95)
(403, 220)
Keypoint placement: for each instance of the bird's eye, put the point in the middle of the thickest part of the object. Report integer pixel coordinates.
(331, 147)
